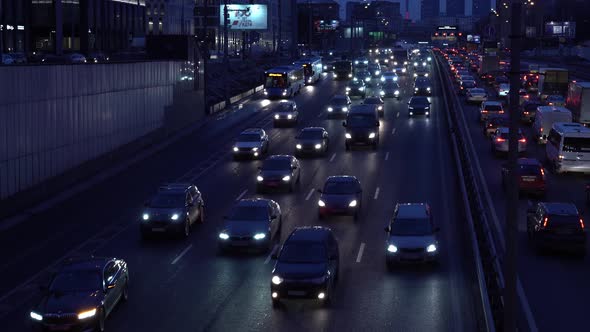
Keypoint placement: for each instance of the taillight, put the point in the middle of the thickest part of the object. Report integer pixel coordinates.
(545, 221)
(525, 113)
(543, 172)
(522, 140)
(484, 111)
(500, 139)
(501, 112)
(582, 223)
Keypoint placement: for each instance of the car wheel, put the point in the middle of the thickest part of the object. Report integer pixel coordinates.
(201, 215)
(100, 322)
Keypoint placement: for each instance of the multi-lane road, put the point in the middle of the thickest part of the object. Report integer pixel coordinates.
(184, 285)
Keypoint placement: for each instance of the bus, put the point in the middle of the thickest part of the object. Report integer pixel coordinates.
(283, 82)
(553, 81)
(568, 147)
(312, 69)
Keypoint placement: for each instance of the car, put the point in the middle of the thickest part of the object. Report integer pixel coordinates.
(389, 76)
(363, 75)
(252, 142)
(499, 79)
(466, 85)
(503, 89)
(422, 86)
(378, 102)
(375, 70)
(81, 295)
(362, 126)
(96, 57)
(529, 110)
(490, 108)
(174, 208)
(390, 90)
(252, 223)
(75, 58)
(421, 72)
(499, 141)
(356, 88)
(411, 235)
(418, 105)
(465, 77)
(494, 122)
(286, 114)
(556, 225)
(341, 195)
(531, 176)
(7, 59)
(338, 105)
(278, 172)
(555, 100)
(312, 140)
(307, 266)
(476, 95)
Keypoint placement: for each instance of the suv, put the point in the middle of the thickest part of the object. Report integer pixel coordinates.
(499, 141)
(422, 86)
(531, 176)
(339, 104)
(362, 126)
(174, 208)
(307, 266)
(490, 107)
(286, 113)
(412, 235)
(254, 223)
(81, 295)
(278, 171)
(556, 225)
(252, 142)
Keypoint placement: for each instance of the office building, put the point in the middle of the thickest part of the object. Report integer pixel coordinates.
(169, 17)
(319, 22)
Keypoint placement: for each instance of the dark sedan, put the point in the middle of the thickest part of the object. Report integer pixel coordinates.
(252, 223)
(552, 225)
(418, 105)
(278, 172)
(378, 102)
(422, 86)
(81, 295)
(531, 176)
(338, 105)
(312, 140)
(341, 195)
(356, 88)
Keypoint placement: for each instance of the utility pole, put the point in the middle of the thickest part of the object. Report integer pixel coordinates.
(280, 38)
(2, 31)
(309, 22)
(511, 232)
(225, 52)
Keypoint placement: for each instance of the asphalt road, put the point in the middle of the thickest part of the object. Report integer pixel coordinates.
(556, 285)
(184, 285)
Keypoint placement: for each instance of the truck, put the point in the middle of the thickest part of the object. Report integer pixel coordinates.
(488, 64)
(553, 81)
(578, 101)
(343, 70)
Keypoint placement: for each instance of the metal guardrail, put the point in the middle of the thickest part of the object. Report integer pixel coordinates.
(221, 105)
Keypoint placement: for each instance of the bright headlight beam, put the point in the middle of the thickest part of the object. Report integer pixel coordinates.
(259, 236)
(259, 178)
(174, 216)
(392, 248)
(353, 203)
(146, 216)
(321, 203)
(87, 314)
(36, 316)
(223, 236)
(276, 280)
(286, 178)
(431, 248)
(318, 146)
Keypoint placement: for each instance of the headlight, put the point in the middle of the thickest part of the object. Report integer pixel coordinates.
(318, 146)
(325, 67)
(415, 89)
(335, 75)
(145, 216)
(36, 316)
(395, 63)
(236, 149)
(415, 75)
(321, 203)
(349, 75)
(276, 116)
(174, 216)
(259, 178)
(410, 107)
(298, 146)
(348, 136)
(289, 116)
(223, 236)
(426, 75)
(382, 79)
(377, 72)
(395, 78)
(254, 149)
(345, 109)
(87, 314)
(415, 63)
(367, 79)
(259, 236)
(391, 248)
(276, 280)
(284, 93)
(362, 88)
(428, 89)
(431, 248)
(403, 70)
(347, 88)
(286, 178)
(426, 108)
(265, 92)
(372, 135)
(353, 203)
(380, 108)
(330, 109)
(423, 63)
(429, 59)
(396, 92)
(381, 92)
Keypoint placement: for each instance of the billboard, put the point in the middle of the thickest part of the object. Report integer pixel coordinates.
(560, 29)
(245, 17)
(326, 25)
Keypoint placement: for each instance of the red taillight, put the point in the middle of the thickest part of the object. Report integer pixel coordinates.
(484, 111)
(500, 139)
(525, 113)
(543, 172)
(582, 223)
(545, 221)
(501, 112)
(522, 140)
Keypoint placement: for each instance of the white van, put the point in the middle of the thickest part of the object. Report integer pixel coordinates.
(545, 117)
(568, 147)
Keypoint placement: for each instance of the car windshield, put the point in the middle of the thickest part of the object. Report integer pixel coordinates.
(576, 144)
(360, 120)
(245, 213)
(285, 107)
(311, 134)
(391, 85)
(164, 200)
(76, 281)
(276, 164)
(493, 108)
(303, 253)
(529, 170)
(340, 187)
(249, 138)
(373, 101)
(478, 90)
(419, 101)
(422, 80)
(468, 84)
(338, 101)
(409, 227)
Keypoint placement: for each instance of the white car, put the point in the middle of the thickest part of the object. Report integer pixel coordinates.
(500, 141)
(503, 89)
(7, 59)
(490, 107)
(76, 58)
(286, 113)
(476, 95)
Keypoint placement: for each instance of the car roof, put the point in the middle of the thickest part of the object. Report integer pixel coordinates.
(174, 187)
(506, 130)
(363, 109)
(560, 208)
(373, 98)
(84, 264)
(342, 178)
(253, 131)
(313, 129)
(253, 202)
(339, 97)
(492, 102)
(280, 157)
(418, 98)
(309, 234)
(412, 210)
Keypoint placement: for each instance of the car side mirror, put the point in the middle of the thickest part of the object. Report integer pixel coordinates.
(344, 124)
(111, 285)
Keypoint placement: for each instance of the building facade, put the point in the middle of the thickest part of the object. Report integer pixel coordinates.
(169, 17)
(455, 8)
(15, 26)
(319, 23)
(430, 9)
(377, 20)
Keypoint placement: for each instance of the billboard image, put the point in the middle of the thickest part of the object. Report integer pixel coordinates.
(245, 17)
(326, 25)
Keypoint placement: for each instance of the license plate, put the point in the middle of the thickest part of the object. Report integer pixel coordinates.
(296, 293)
(59, 328)
(528, 179)
(412, 256)
(158, 229)
(240, 243)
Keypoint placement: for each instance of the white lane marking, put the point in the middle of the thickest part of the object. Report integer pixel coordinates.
(376, 193)
(309, 195)
(393, 131)
(270, 254)
(387, 156)
(242, 195)
(182, 254)
(397, 115)
(332, 158)
(360, 254)
(527, 309)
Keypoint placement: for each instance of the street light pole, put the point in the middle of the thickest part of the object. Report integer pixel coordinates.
(225, 52)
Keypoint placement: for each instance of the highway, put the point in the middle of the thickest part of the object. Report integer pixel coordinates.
(184, 285)
(555, 284)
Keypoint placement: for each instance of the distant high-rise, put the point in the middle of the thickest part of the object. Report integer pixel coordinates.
(481, 8)
(430, 9)
(455, 8)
